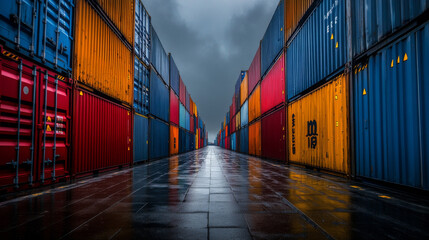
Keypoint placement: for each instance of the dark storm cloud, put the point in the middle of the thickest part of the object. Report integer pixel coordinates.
(211, 41)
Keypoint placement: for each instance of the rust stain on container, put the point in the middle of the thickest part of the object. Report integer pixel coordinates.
(318, 127)
(100, 59)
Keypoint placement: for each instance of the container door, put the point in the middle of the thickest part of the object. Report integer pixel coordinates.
(141, 135)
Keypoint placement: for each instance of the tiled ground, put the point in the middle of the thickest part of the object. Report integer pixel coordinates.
(215, 194)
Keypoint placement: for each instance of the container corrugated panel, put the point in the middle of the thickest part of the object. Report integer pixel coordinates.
(191, 124)
(233, 143)
(141, 138)
(182, 95)
(237, 94)
(159, 97)
(391, 116)
(318, 128)
(237, 121)
(233, 124)
(158, 138)
(141, 87)
(254, 72)
(187, 120)
(233, 112)
(174, 140)
(273, 87)
(174, 76)
(174, 108)
(121, 14)
(273, 135)
(255, 139)
(187, 142)
(142, 33)
(244, 89)
(244, 114)
(374, 20)
(100, 59)
(273, 41)
(188, 102)
(30, 115)
(318, 49)
(158, 56)
(96, 121)
(255, 104)
(294, 11)
(244, 140)
(27, 32)
(182, 140)
(182, 116)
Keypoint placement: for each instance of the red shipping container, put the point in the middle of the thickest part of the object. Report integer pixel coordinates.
(274, 135)
(182, 94)
(102, 134)
(233, 106)
(273, 86)
(174, 108)
(44, 96)
(233, 125)
(191, 126)
(254, 71)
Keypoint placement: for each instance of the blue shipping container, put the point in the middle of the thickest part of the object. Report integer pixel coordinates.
(182, 140)
(374, 20)
(159, 97)
(174, 76)
(23, 28)
(142, 33)
(158, 56)
(244, 140)
(141, 87)
(159, 135)
(318, 49)
(391, 112)
(182, 116)
(273, 40)
(244, 114)
(233, 144)
(187, 121)
(141, 137)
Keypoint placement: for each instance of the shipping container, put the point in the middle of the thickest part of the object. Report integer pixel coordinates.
(40, 31)
(273, 87)
(187, 142)
(319, 49)
(237, 121)
(191, 124)
(142, 33)
(182, 140)
(273, 135)
(158, 138)
(182, 94)
(187, 120)
(159, 97)
(119, 11)
(174, 108)
(158, 56)
(141, 138)
(237, 140)
(391, 112)
(233, 124)
(244, 89)
(244, 140)
(96, 121)
(255, 139)
(237, 94)
(233, 142)
(294, 11)
(373, 21)
(255, 104)
(141, 87)
(188, 102)
(35, 105)
(254, 72)
(228, 143)
(174, 75)
(273, 40)
(244, 114)
(197, 141)
(174, 140)
(318, 128)
(182, 116)
(100, 59)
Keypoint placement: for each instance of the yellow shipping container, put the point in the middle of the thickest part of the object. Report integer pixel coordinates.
(121, 12)
(244, 89)
(318, 126)
(100, 59)
(255, 103)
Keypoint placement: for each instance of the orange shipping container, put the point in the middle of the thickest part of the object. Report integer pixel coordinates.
(174, 140)
(237, 121)
(196, 138)
(244, 89)
(100, 59)
(121, 12)
(318, 126)
(294, 10)
(255, 104)
(255, 139)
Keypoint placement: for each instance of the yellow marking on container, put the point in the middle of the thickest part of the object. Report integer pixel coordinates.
(332, 36)
(384, 196)
(336, 46)
(49, 119)
(128, 148)
(391, 65)
(48, 128)
(281, 29)
(336, 97)
(405, 57)
(81, 93)
(147, 142)
(128, 113)
(364, 92)
(399, 59)
(357, 187)
(336, 124)
(283, 92)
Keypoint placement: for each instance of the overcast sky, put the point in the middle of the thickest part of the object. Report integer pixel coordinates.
(211, 41)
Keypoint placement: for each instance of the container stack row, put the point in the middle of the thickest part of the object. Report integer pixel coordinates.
(85, 87)
(338, 86)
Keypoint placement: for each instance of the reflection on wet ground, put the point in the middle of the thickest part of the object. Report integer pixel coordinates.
(215, 194)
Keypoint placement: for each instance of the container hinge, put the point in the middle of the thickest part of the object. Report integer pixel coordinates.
(47, 161)
(29, 162)
(12, 163)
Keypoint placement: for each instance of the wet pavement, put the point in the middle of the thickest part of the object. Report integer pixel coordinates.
(215, 194)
